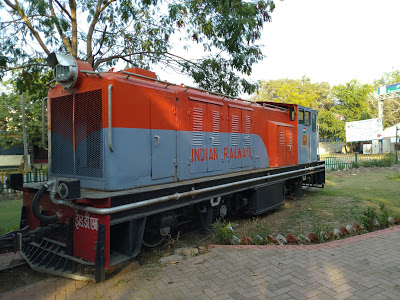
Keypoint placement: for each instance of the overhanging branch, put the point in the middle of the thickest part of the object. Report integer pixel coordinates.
(17, 9)
(99, 10)
(6, 69)
(124, 56)
(64, 39)
(63, 9)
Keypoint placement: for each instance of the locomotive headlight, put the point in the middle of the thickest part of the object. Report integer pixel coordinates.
(64, 73)
(69, 188)
(65, 69)
(63, 190)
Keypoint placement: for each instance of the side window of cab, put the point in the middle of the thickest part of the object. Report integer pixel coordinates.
(301, 116)
(314, 122)
(307, 118)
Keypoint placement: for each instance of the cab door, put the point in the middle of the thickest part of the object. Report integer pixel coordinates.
(282, 146)
(285, 145)
(290, 158)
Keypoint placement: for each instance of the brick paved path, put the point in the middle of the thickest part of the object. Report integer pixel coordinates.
(362, 267)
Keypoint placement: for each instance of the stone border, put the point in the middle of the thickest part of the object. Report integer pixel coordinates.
(332, 244)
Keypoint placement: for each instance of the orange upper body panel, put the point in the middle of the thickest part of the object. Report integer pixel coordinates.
(147, 104)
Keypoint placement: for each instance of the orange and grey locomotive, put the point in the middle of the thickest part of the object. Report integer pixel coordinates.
(132, 158)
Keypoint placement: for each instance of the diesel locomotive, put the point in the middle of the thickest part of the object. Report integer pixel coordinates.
(132, 157)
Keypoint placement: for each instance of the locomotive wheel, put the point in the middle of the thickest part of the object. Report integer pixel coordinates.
(152, 237)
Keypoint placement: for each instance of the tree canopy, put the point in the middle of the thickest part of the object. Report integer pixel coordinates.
(140, 33)
(331, 126)
(302, 92)
(352, 100)
(11, 112)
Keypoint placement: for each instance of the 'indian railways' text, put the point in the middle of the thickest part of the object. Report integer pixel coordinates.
(205, 154)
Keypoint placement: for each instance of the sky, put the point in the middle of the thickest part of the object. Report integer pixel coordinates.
(326, 40)
(332, 41)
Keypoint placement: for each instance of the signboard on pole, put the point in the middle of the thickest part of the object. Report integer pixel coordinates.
(365, 130)
(393, 88)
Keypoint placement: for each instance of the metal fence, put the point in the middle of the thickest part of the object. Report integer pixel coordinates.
(34, 175)
(348, 161)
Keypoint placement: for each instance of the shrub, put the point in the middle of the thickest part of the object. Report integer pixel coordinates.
(367, 218)
(320, 231)
(259, 232)
(367, 164)
(384, 215)
(385, 162)
(223, 232)
(391, 157)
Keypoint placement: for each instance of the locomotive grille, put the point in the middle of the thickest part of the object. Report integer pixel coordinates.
(62, 150)
(235, 131)
(215, 133)
(197, 126)
(88, 134)
(76, 135)
(282, 138)
(247, 131)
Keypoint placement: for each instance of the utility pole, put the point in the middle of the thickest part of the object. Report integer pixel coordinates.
(24, 131)
(396, 144)
(380, 116)
(380, 109)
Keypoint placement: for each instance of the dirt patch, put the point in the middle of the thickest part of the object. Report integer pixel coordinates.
(300, 216)
(277, 220)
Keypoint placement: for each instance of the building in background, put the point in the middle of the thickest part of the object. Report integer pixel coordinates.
(389, 138)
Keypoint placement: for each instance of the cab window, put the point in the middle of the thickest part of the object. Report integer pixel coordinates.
(307, 118)
(314, 122)
(301, 116)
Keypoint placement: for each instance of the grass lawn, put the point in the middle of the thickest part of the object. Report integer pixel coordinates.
(346, 195)
(373, 187)
(10, 213)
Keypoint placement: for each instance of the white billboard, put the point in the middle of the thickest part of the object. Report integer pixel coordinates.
(365, 130)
